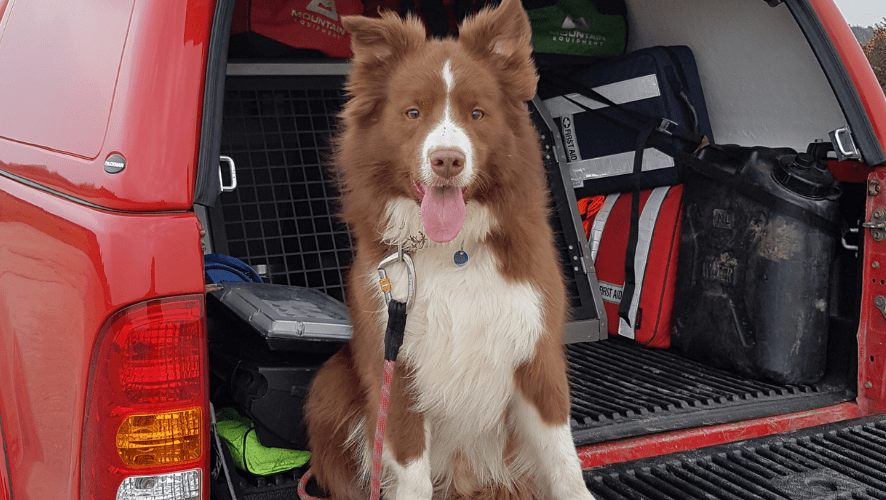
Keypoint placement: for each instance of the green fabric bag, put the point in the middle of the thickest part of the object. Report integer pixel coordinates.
(578, 27)
(238, 434)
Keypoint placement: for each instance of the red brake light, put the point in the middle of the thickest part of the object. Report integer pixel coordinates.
(147, 391)
(157, 352)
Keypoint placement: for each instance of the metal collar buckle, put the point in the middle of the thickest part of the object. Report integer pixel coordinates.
(385, 283)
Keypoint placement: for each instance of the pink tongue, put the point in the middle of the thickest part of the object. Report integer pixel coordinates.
(443, 213)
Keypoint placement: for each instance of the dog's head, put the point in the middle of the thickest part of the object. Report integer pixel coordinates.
(433, 120)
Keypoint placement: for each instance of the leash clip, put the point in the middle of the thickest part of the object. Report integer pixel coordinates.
(385, 283)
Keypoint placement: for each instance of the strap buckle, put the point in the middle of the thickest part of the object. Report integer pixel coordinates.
(667, 127)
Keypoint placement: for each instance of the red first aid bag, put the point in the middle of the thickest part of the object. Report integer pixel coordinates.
(655, 261)
(303, 24)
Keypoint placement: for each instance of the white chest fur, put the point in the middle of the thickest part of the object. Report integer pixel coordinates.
(467, 331)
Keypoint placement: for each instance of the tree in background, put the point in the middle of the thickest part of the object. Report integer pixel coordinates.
(875, 50)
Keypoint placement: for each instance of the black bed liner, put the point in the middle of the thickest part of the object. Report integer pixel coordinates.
(621, 389)
(844, 460)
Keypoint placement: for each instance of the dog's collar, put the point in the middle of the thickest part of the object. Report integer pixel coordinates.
(420, 241)
(413, 244)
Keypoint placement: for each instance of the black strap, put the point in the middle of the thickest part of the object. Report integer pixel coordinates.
(778, 205)
(677, 83)
(395, 329)
(630, 284)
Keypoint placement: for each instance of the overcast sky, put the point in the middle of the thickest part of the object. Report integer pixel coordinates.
(862, 12)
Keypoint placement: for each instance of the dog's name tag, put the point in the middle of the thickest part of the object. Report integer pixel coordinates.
(460, 258)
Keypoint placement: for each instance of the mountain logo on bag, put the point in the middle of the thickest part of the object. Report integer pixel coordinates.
(327, 24)
(577, 23)
(575, 30)
(324, 8)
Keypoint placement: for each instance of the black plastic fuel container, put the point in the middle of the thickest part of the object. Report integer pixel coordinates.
(756, 249)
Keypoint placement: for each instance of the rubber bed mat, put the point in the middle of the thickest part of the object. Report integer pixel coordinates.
(621, 389)
(844, 460)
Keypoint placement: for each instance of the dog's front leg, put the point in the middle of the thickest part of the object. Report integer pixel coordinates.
(406, 459)
(540, 417)
(410, 480)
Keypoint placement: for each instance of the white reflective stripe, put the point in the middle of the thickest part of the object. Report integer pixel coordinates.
(589, 102)
(600, 224)
(560, 106)
(646, 226)
(617, 164)
(635, 89)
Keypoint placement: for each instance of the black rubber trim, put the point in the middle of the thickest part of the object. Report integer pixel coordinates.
(208, 185)
(838, 77)
(842, 460)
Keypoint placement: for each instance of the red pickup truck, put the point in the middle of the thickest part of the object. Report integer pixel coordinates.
(113, 119)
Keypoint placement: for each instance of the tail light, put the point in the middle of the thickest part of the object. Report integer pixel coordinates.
(145, 434)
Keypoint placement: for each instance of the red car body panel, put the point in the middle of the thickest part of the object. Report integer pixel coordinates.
(61, 275)
(872, 328)
(151, 117)
(85, 243)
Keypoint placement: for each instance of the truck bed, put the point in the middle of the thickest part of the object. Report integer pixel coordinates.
(282, 220)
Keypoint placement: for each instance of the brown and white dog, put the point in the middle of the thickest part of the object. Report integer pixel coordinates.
(437, 153)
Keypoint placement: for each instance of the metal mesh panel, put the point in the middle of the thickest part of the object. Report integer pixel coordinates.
(283, 213)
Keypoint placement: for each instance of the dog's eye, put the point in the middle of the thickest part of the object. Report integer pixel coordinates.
(477, 114)
(412, 114)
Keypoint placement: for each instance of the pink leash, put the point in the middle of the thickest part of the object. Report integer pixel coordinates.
(381, 422)
(393, 340)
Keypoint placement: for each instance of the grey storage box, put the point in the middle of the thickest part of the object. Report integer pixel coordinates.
(288, 317)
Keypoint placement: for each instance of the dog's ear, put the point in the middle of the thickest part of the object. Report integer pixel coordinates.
(503, 36)
(378, 44)
(379, 41)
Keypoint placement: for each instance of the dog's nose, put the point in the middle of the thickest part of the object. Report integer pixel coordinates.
(447, 163)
